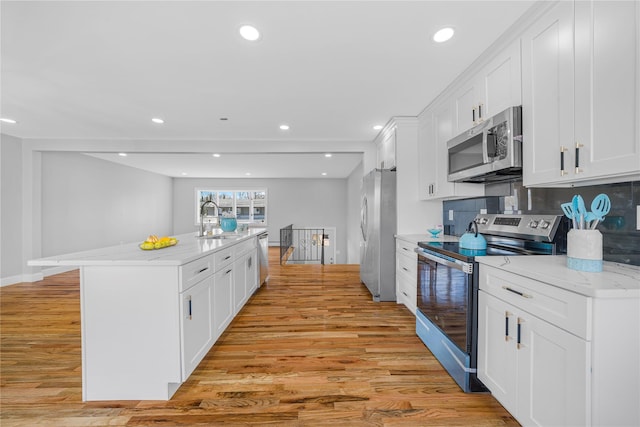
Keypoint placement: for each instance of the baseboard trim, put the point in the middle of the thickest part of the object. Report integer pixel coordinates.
(21, 278)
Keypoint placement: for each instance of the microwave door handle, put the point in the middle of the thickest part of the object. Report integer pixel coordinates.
(485, 147)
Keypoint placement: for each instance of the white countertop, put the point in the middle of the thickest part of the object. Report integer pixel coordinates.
(615, 281)
(189, 248)
(415, 238)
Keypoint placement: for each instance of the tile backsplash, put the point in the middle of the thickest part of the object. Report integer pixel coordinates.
(621, 240)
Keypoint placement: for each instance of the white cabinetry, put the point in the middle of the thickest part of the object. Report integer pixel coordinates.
(580, 94)
(435, 128)
(197, 324)
(406, 274)
(496, 87)
(244, 274)
(223, 300)
(386, 147)
(548, 356)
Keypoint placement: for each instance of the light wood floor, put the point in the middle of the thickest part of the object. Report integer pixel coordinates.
(309, 349)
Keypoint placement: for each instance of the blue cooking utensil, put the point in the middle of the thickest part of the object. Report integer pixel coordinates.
(567, 208)
(581, 211)
(588, 218)
(600, 206)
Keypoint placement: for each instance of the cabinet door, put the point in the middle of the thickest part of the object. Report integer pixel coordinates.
(497, 350)
(197, 324)
(607, 88)
(222, 300)
(427, 163)
(252, 272)
(501, 82)
(443, 132)
(465, 107)
(547, 96)
(553, 375)
(239, 283)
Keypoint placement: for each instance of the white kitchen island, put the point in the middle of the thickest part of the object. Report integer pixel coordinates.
(149, 317)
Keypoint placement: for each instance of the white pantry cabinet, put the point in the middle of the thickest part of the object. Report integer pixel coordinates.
(580, 94)
(496, 87)
(435, 128)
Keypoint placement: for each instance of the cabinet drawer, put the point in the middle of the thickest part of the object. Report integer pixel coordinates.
(193, 272)
(407, 265)
(567, 310)
(223, 257)
(244, 247)
(406, 248)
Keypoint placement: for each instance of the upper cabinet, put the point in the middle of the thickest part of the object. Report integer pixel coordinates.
(386, 147)
(580, 94)
(435, 128)
(496, 87)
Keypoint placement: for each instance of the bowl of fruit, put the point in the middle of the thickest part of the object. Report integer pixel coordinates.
(155, 242)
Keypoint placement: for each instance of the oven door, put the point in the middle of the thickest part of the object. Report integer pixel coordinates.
(446, 297)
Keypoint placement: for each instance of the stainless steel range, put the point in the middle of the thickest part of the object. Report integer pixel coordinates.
(447, 314)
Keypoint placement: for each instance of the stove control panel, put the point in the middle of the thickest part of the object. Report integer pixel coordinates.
(525, 226)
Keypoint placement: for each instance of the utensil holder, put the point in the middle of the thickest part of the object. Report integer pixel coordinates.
(584, 250)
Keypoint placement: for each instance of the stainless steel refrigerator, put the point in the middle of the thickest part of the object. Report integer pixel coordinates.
(378, 225)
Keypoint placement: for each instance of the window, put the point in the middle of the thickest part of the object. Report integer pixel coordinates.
(248, 206)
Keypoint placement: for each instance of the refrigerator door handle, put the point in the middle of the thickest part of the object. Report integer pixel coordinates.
(363, 218)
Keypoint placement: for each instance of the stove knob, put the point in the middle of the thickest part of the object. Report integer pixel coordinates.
(533, 224)
(483, 221)
(544, 224)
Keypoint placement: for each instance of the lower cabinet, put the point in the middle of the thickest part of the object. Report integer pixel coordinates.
(406, 274)
(196, 311)
(537, 371)
(223, 309)
(553, 357)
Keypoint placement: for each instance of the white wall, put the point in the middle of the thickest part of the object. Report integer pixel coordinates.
(90, 203)
(354, 196)
(10, 209)
(302, 202)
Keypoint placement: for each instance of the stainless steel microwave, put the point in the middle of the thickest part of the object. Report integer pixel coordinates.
(490, 151)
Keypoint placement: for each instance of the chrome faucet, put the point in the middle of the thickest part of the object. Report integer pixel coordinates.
(203, 210)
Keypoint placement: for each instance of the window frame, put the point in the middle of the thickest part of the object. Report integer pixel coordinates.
(234, 202)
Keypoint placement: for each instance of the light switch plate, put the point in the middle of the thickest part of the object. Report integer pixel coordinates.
(450, 214)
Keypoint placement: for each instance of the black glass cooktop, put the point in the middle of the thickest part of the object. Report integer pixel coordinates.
(453, 250)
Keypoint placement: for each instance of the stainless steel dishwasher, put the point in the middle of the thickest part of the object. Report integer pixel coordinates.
(263, 243)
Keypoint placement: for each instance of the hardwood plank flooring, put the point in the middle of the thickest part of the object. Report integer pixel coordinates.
(309, 349)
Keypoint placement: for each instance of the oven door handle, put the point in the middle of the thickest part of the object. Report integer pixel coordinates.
(465, 267)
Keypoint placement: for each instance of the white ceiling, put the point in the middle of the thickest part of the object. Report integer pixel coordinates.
(99, 71)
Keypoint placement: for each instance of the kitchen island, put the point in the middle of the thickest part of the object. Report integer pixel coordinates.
(149, 317)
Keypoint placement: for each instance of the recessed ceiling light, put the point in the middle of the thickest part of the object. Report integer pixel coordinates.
(249, 32)
(122, 154)
(443, 35)
(284, 127)
(8, 120)
(248, 174)
(216, 155)
(324, 174)
(377, 127)
(328, 155)
(184, 174)
(157, 120)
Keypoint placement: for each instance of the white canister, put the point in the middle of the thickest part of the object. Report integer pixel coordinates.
(584, 250)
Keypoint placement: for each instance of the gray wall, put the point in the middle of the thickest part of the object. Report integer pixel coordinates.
(10, 207)
(90, 203)
(302, 202)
